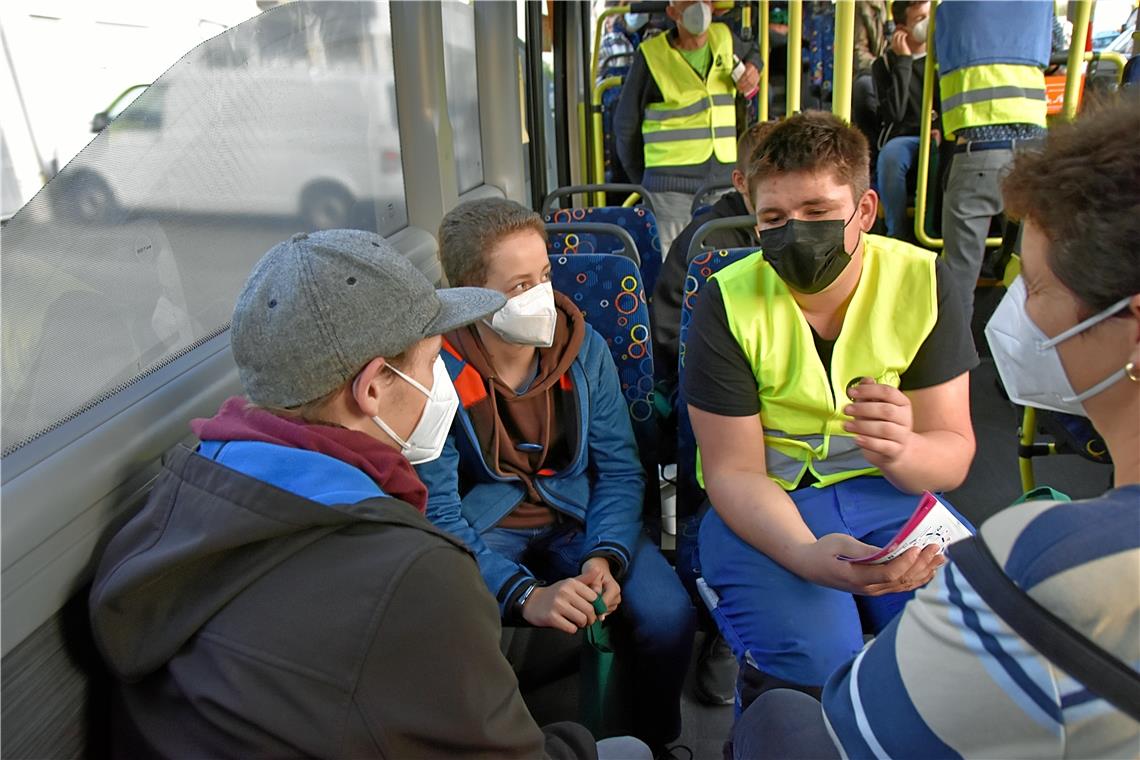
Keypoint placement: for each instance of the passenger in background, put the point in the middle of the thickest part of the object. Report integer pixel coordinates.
(676, 120)
(950, 677)
(620, 41)
(898, 75)
(540, 474)
(796, 473)
(993, 103)
(281, 593)
(871, 34)
(716, 668)
(665, 311)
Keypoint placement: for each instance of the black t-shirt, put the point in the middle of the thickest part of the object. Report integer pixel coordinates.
(719, 379)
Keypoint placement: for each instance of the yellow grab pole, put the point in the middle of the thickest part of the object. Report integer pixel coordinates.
(795, 65)
(1075, 68)
(762, 109)
(1119, 60)
(599, 139)
(1024, 463)
(598, 26)
(924, 143)
(844, 50)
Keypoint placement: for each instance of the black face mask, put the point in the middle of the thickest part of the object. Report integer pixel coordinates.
(808, 256)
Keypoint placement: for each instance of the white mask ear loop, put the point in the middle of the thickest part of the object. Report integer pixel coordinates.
(1079, 328)
(404, 445)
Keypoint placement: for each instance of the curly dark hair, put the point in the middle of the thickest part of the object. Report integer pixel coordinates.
(472, 228)
(813, 141)
(1083, 192)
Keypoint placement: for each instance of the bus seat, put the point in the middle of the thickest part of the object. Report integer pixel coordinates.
(609, 292)
(1071, 435)
(690, 495)
(638, 221)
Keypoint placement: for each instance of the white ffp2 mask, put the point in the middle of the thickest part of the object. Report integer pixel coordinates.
(1027, 361)
(529, 318)
(428, 437)
(696, 18)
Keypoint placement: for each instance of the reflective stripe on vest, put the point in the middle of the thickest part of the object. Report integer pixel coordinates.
(998, 93)
(893, 309)
(696, 119)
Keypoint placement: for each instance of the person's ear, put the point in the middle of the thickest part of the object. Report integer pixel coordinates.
(1134, 312)
(868, 209)
(366, 388)
(738, 182)
(673, 14)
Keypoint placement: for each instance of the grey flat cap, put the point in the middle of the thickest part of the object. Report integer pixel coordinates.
(319, 306)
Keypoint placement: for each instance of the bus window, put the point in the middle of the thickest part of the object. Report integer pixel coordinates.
(461, 78)
(134, 253)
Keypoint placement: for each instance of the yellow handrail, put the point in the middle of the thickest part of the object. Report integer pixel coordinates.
(844, 50)
(1119, 59)
(599, 139)
(762, 110)
(1025, 464)
(1076, 66)
(795, 65)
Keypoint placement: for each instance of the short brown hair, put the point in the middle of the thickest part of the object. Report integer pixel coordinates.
(1083, 192)
(809, 142)
(472, 228)
(748, 142)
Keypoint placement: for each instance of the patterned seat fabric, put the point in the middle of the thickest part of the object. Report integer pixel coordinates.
(690, 495)
(609, 292)
(638, 221)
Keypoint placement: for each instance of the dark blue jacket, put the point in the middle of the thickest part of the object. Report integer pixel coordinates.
(602, 488)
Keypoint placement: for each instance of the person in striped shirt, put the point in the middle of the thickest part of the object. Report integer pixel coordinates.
(948, 677)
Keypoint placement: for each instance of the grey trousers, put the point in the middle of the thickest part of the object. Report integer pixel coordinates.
(672, 210)
(623, 748)
(973, 198)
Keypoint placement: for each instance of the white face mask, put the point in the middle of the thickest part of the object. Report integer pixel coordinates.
(529, 318)
(696, 19)
(1028, 362)
(920, 30)
(430, 433)
(634, 21)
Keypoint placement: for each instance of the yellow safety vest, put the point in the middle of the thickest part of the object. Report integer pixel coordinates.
(993, 93)
(697, 118)
(894, 308)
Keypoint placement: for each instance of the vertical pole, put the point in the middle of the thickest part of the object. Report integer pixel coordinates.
(1075, 68)
(844, 58)
(561, 93)
(795, 65)
(535, 103)
(924, 145)
(764, 54)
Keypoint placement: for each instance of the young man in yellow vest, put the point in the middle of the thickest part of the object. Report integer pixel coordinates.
(828, 383)
(676, 120)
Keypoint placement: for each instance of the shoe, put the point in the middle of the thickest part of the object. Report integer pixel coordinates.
(716, 672)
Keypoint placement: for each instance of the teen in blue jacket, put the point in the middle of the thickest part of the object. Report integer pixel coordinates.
(540, 474)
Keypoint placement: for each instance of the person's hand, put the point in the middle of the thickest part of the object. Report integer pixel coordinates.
(749, 80)
(778, 28)
(597, 574)
(899, 43)
(567, 605)
(936, 134)
(912, 569)
(883, 423)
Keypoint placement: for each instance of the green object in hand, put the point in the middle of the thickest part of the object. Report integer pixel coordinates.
(599, 605)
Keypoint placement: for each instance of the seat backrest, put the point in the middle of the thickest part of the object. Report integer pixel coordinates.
(609, 292)
(637, 220)
(707, 263)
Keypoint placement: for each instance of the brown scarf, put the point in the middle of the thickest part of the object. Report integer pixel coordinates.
(531, 433)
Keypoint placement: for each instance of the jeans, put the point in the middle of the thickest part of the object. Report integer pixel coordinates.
(972, 199)
(896, 159)
(793, 629)
(673, 212)
(782, 724)
(654, 606)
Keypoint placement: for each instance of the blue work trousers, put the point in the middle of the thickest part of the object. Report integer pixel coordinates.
(791, 628)
(896, 159)
(654, 606)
